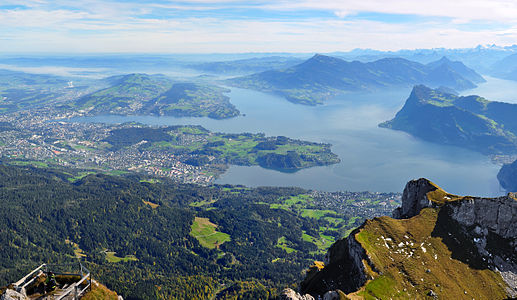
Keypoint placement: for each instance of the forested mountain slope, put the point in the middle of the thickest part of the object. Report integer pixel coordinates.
(152, 238)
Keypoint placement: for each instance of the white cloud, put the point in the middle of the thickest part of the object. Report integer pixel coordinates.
(102, 26)
(494, 10)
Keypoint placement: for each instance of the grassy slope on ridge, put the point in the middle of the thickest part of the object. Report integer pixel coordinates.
(412, 258)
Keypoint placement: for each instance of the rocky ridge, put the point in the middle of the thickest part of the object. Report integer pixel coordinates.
(437, 245)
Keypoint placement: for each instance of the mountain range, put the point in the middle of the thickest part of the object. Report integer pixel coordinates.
(322, 77)
(471, 122)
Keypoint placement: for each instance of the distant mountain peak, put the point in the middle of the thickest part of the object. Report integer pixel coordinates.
(444, 59)
(457, 67)
(323, 58)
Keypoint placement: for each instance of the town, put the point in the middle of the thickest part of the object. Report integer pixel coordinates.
(43, 137)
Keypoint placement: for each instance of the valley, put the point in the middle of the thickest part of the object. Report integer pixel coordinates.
(348, 122)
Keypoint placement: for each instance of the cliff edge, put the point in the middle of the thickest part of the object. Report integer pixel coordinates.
(436, 245)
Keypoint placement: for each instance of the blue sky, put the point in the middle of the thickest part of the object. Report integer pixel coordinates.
(226, 26)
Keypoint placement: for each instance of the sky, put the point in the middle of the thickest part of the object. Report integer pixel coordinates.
(226, 26)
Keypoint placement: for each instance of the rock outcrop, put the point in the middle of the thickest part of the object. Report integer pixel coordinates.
(10, 294)
(290, 294)
(437, 244)
(490, 223)
(507, 177)
(414, 198)
(344, 269)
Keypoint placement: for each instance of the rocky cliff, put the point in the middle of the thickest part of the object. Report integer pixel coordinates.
(437, 245)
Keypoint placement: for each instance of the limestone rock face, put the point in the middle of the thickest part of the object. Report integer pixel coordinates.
(344, 269)
(490, 223)
(414, 198)
(290, 294)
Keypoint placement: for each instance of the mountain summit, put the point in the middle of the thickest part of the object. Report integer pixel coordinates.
(438, 244)
(458, 67)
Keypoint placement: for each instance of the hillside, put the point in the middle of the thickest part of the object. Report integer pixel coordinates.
(322, 77)
(20, 90)
(157, 95)
(471, 121)
(437, 245)
(246, 66)
(125, 94)
(148, 239)
(192, 100)
(505, 68)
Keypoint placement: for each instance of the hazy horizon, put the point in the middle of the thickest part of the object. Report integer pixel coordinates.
(227, 26)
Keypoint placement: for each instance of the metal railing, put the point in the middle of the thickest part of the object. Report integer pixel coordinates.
(77, 289)
(27, 279)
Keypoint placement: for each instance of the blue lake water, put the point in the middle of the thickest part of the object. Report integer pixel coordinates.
(372, 158)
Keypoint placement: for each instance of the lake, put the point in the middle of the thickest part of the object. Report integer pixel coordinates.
(372, 158)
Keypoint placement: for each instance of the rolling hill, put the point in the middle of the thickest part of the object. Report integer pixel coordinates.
(157, 95)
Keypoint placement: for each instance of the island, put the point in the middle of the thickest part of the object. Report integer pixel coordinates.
(322, 77)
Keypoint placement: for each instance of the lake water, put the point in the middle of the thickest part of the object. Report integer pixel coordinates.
(372, 158)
